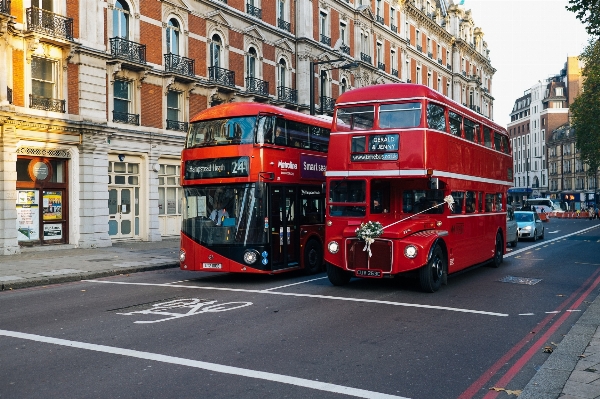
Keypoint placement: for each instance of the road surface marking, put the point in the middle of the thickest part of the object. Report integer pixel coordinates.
(563, 238)
(219, 368)
(289, 285)
(335, 298)
(195, 306)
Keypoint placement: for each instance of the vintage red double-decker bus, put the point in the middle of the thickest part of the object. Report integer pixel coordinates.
(403, 153)
(253, 181)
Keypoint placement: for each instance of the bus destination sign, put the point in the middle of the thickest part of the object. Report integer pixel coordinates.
(383, 142)
(217, 167)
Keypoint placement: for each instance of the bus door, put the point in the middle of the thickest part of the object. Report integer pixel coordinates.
(284, 232)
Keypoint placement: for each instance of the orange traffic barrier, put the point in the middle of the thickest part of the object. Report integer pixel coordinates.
(544, 217)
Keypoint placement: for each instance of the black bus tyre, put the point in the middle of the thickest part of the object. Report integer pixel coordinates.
(337, 276)
(498, 251)
(432, 274)
(313, 257)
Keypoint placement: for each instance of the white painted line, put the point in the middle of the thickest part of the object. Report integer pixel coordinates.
(573, 310)
(553, 312)
(336, 298)
(289, 285)
(518, 251)
(219, 368)
(526, 314)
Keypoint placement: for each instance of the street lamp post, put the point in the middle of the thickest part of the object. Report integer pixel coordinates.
(349, 65)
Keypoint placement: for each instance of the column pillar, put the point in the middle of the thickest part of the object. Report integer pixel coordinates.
(153, 222)
(9, 244)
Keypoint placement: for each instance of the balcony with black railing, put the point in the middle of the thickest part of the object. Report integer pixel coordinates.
(281, 24)
(9, 95)
(288, 95)
(326, 40)
(365, 57)
(430, 54)
(180, 65)
(127, 50)
(221, 76)
(257, 86)
(464, 73)
(177, 125)
(449, 66)
(395, 72)
(440, 61)
(254, 11)
(379, 19)
(394, 28)
(5, 7)
(49, 23)
(124, 117)
(345, 49)
(381, 66)
(47, 104)
(327, 104)
(419, 47)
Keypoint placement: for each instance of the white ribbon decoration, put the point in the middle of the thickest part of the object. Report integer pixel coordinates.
(368, 242)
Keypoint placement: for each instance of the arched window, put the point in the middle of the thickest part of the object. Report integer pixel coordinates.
(282, 72)
(343, 85)
(251, 63)
(215, 51)
(121, 16)
(173, 37)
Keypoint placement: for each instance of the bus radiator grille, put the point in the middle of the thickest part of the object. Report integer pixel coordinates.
(359, 259)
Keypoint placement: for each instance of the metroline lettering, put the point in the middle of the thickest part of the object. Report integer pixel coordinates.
(287, 165)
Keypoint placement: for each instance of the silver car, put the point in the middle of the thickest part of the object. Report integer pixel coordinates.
(530, 225)
(512, 235)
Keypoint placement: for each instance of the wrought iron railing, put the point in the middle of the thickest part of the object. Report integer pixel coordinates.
(365, 57)
(449, 66)
(176, 125)
(379, 19)
(128, 50)
(395, 72)
(281, 24)
(408, 81)
(419, 47)
(345, 49)
(221, 76)
(46, 104)
(49, 23)
(178, 64)
(124, 117)
(288, 95)
(325, 40)
(430, 54)
(254, 11)
(5, 6)
(381, 66)
(9, 95)
(394, 28)
(327, 104)
(257, 86)
(440, 61)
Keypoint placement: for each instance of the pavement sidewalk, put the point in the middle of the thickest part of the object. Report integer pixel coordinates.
(572, 371)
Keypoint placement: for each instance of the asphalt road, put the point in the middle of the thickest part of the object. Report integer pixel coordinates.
(179, 334)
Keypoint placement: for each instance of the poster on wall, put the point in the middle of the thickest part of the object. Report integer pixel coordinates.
(52, 205)
(28, 215)
(53, 231)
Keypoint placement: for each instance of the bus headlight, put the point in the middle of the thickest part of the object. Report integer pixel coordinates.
(250, 257)
(181, 255)
(333, 247)
(410, 251)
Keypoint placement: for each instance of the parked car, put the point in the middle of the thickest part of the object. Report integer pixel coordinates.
(530, 225)
(512, 233)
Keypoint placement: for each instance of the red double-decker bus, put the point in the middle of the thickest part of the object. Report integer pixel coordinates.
(253, 182)
(403, 152)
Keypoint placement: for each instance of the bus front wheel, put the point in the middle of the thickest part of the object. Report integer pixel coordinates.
(313, 257)
(338, 276)
(432, 274)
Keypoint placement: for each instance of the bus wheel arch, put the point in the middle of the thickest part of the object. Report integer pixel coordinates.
(434, 272)
(313, 256)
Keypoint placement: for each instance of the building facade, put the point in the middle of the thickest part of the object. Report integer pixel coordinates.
(95, 96)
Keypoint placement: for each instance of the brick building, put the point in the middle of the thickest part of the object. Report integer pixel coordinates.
(95, 95)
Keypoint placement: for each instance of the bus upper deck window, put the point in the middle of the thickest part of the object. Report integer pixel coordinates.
(455, 123)
(435, 117)
(355, 118)
(399, 115)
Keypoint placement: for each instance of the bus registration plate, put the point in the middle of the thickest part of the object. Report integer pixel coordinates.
(368, 273)
(211, 266)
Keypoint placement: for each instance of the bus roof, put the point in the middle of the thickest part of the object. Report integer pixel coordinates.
(404, 91)
(234, 109)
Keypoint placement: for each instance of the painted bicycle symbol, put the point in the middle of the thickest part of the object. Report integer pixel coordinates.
(194, 306)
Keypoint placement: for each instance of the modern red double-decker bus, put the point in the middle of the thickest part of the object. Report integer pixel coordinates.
(253, 181)
(403, 153)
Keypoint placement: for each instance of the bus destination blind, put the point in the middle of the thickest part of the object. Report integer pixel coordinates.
(217, 167)
(380, 147)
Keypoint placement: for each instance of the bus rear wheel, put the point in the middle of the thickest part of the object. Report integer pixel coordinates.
(498, 252)
(313, 257)
(338, 276)
(431, 275)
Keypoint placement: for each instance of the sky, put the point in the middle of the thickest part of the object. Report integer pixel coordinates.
(529, 40)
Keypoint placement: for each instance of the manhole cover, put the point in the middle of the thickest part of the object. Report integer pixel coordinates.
(520, 280)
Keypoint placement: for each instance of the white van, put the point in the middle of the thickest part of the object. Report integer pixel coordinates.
(544, 204)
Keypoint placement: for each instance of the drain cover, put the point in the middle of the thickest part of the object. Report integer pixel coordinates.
(520, 280)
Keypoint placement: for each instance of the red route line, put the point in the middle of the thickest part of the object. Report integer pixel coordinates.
(519, 364)
(472, 390)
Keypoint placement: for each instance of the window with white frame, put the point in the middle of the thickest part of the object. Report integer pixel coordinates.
(429, 83)
(282, 72)
(43, 77)
(343, 85)
(215, 51)
(173, 37)
(378, 10)
(364, 42)
(281, 9)
(343, 32)
(380, 53)
(251, 63)
(174, 106)
(122, 104)
(439, 84)
(418, 33)
(392, 17)
(419, 77)
(121, 16)
(393, 60)
(169, 191)
(323, 25)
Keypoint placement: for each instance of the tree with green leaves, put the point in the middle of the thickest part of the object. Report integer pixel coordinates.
(588, 12)
(585, 110)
